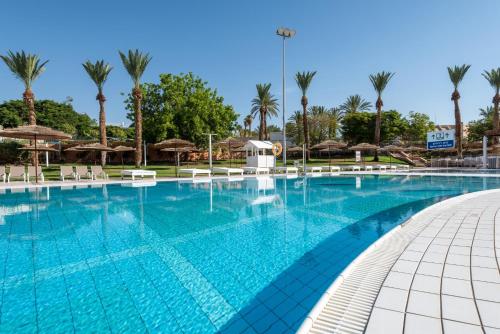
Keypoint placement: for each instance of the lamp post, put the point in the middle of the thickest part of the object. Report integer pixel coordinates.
(210, 148)
(284, 33)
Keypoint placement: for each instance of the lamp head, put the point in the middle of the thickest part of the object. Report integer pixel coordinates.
(285, 32)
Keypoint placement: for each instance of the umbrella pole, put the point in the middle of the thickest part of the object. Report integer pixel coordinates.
(175, 161)
(329, 158)
(36, 163)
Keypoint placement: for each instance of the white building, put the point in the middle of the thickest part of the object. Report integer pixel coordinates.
(259, 154)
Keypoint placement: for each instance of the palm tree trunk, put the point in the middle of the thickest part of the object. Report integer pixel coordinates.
(378, 122)
(262, 125)
(496, 117)
(458, 128)
(29, 100)
(305, 125)
(102, 126)
(137, 94)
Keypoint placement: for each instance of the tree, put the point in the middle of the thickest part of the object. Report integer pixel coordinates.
(355, 103)
(27, 68)
(379, 82)
(247, 122)
(493, 78)
(335, 116)
(477, 128)
(99, 72)
(56, 115)
(457, 74)
(294, 128)
(265, 105)
(419, 125)
(304, 80)
(183, 106)
(135, 63)
(119, 133)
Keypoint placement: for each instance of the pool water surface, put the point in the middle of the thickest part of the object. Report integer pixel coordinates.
(244, 256)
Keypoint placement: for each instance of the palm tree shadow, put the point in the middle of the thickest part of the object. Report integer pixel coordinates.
(283, 305)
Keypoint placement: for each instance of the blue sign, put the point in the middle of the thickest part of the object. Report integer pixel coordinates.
(440, 144)
(440, 139)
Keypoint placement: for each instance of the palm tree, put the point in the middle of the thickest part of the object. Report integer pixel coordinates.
(296, 120)
(247, 122)
(27, 68)
(379, 82)
(304, 81)
(493, 78)
(99, 72)
(135, 63)
(266, 105)
(335, 116)
(457, 74)
(355, 103)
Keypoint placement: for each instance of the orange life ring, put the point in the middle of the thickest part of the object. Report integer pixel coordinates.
(277, 149)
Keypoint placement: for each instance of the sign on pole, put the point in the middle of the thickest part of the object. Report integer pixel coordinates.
(440, 139)
(358, 156)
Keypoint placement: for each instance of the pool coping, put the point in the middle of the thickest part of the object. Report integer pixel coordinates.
(315, 312)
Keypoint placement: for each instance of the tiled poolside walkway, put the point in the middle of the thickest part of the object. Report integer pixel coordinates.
(437, 274)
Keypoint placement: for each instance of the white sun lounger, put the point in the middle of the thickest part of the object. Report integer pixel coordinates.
(195, 171)
(287, 170)
(381, 167)
(227, 171)
(32, 173)
(352, 167)
(406, 167)
(133, 173)
(331, 169)
(368, 168)
(256, 170)
(314, 169)
(392, 167)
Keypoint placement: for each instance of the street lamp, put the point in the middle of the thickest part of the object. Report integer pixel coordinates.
(284, 33)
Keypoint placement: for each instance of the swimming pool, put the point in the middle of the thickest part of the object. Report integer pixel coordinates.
(242, 256)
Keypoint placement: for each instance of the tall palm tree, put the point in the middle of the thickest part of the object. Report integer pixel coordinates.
(27, 68)
(457, 74)
(135, 62)
(99, 72)
(247, 122)
(304, 80)
(493, 78)
(266, 105)
(379, 82)
(335, 117)
(355, 103)
(296, 119)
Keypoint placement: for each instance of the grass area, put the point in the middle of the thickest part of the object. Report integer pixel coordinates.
(168, 170)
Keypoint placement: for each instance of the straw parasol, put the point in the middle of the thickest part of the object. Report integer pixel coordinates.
(364, 147)
(295, 149)
(330, 144)
(175, 144)
(94, 147)
(392, 148)
(34, 132)
(178, 151)
(38, 149)
(122, 149)
(232, 144)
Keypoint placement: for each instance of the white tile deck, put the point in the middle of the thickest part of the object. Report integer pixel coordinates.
(437, 273)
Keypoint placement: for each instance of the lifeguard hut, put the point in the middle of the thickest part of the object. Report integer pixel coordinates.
(259, 154)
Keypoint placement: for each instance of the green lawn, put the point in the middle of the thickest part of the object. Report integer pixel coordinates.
(168, 170)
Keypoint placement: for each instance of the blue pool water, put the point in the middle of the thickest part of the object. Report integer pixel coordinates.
(234, 257)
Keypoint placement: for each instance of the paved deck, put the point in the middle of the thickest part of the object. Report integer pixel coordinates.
(438, 273)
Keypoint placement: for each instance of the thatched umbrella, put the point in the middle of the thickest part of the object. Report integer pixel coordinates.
(94, 147)
(122, 149)
(175, 144)
(390, 149)
(329, 146)
(34, 132)
(364, 147)
(232, 144)
(32, 148)
(178, 151)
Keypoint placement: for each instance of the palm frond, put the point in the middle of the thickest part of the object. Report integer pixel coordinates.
(135, 62)
(25, 66)
(303, 80)
(493, 77)
(380, 81)
(355, 103)
(457, 74)
(98, 72)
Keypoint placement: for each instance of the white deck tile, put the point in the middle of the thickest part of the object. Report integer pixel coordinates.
(426, 283)
(460, 309)
(418, 324)
(385, 322)
(424, 303)
(457, 287)
(490, 313)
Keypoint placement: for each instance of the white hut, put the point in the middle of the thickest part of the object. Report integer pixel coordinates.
(259, 154)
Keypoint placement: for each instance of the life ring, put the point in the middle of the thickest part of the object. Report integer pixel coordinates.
(277, 149)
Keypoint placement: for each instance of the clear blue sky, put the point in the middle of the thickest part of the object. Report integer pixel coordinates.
(232, 45)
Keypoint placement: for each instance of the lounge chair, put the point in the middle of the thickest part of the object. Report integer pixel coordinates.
(66, 172)
(313, 169)
(195, 171)
(16, 172)
(256, 170)
(352, 167)
(97, 171)
(404, 167)
(133, 173)
(368, 168)
(32, 173)
(82, 172)
(3, 173)
(392, 167)
(380, 167)
(331, 169)
(287, 170)
(227, 171)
